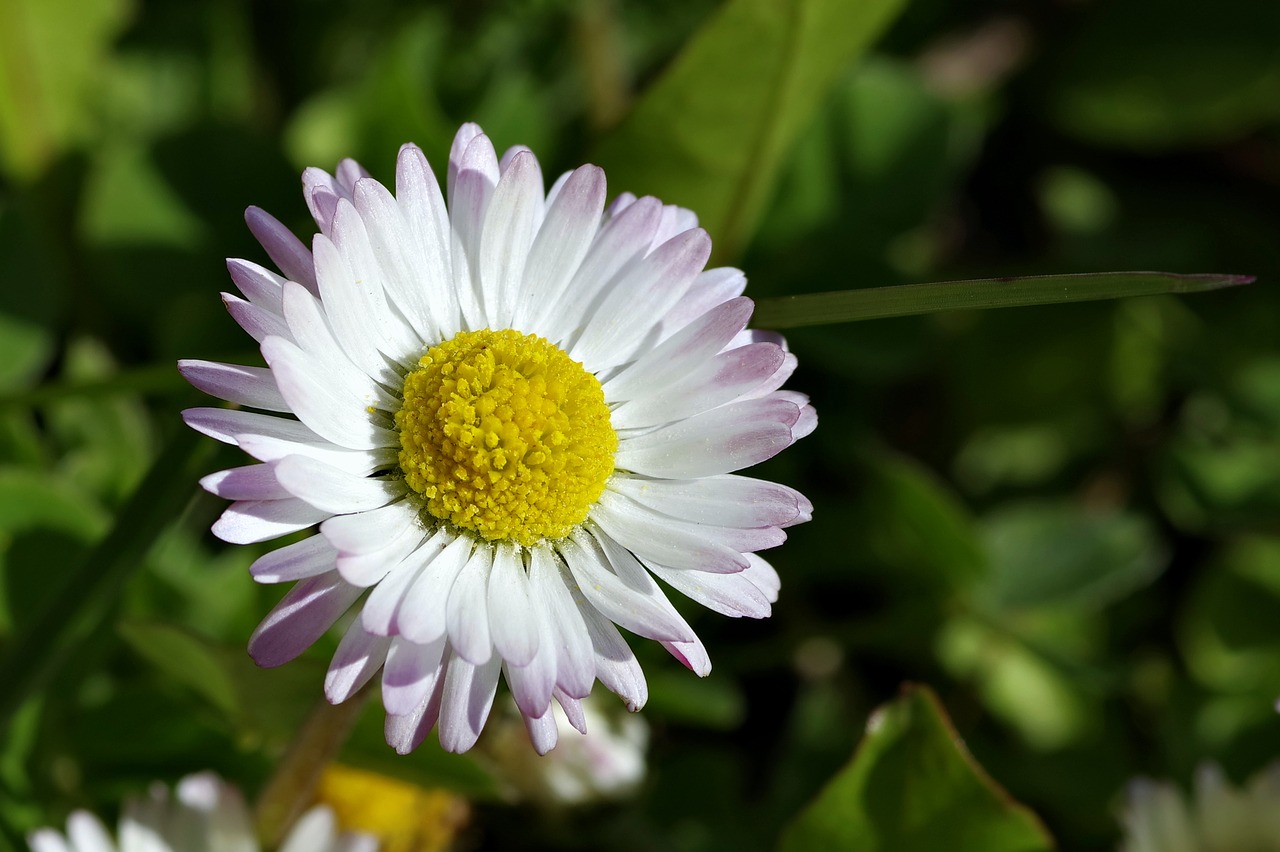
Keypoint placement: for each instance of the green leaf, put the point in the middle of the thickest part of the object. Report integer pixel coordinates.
(186, 659)
(1123, 77)
(908, 299)
(43, 520)
(51, 56)
(257, 704)
(712, 132)
(710, 703)
(1062, 555)
(918, 528)
(86, 595)
(913, 786)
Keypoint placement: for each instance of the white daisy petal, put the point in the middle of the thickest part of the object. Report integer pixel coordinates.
(465, 702)
(726, 500)
(383, 326)
(87, 833)
(424, 616)
(543, 732)
(573, 711)
(411, 674)
(252, 482)
(368, 532)
(712, 287)
(564, 239)
(405, 733)
(763, 576)
(723, 440)
(228, 425)
(636, 608)
(532, 684)
(427, 221)
(511, 622)
(252, 521)
(616, 665)
(260, 323)
(733, 595)
(393, 248)
(311, 330)
(331, 412)
(368, 569)
(329, 488)
(355, 307)
(711, 384)
(688, 348)
(48, 840)
(285, 250)
(307, 558)
(467, 610)
(510, 416)
(575, 657)
(470, 189)
(647, 288)
(302, 616)
(619, 241)
(511, 220)
(383, 607)
(652, 538)
(358, 462)
(693, 654)
(359, 656)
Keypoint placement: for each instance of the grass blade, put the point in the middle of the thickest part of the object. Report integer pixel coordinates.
(908, 299)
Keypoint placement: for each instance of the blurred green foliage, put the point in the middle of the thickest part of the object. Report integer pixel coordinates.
(1062, 518)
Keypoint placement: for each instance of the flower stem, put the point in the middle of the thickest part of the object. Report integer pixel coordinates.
(292, 787)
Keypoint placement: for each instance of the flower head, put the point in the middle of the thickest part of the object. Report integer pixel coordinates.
(1218, 818)
(607, 763)
(508, 417)
(204, 814)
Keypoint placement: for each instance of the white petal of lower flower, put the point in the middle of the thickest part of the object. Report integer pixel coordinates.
(202, 814)
(507, 414)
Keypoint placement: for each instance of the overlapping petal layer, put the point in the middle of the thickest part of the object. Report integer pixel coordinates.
(693, 397)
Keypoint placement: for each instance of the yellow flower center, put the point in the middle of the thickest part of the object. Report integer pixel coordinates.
(505, 435)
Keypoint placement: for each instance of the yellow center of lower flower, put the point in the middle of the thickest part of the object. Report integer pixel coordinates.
(505, 435)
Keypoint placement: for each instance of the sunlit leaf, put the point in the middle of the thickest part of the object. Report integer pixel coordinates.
(908, 299)
(52, 52)
(1063, 555)
(913, 787)
(711, 133)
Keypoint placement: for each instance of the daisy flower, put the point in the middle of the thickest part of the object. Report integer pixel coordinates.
(1218, 817)
(508, 417)
(608, 763)
(205, 814)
